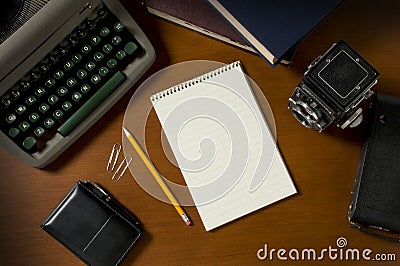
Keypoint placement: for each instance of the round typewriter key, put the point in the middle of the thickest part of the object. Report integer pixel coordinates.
(118, 26)
(52, 99)
(11, 118)
(76, 96)
(44, 108)
(90, 24)
(62, 50)
(58, 114)
(73, 40)
(24, 126)
(24, 85)
(102, 13)
(5, 102)
(103, 71)
(76, 57)
(86, 48)
(33, 117)
(13, 132)
(58, 74)
(81, 33)
(40, 91)
(104, 31)
(71, 82)
(62, 91)
(107, 48)
(66, 106)
(116, 40)
(53, 59)
(44, 68)
(95, 79)
(39, 131)
(90, 66)
(98, 56)
(112, 63)
(130, 48)
(95, 40)
(20, 109)
(35, 75)
(81, 74)
(120, 54)
(68, 65)
(85, 88)
(29, 143)
(50, 83)
(30, 100)
(15, 94)
(48, 122)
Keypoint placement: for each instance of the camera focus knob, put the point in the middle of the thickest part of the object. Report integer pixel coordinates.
(354, 120)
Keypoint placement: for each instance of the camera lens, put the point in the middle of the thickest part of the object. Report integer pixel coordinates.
(304, 114)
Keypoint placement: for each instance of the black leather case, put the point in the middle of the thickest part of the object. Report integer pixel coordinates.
(376, 193)
(92, 225)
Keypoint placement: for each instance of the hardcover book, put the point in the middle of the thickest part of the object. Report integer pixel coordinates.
(199, 16)
(274, 28)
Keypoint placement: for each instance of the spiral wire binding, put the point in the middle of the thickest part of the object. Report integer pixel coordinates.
(194, 81)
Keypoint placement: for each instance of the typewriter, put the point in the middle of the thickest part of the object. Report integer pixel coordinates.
(63, 64)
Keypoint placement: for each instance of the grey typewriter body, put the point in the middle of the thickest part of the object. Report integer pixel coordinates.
(60, 72)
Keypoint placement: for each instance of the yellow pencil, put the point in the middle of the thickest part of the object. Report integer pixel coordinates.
(156, 175)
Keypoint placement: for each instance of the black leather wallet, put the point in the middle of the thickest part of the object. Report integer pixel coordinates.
(376, 195)
(92, 225)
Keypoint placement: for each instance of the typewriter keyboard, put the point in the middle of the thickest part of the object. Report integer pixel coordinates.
(69, 83)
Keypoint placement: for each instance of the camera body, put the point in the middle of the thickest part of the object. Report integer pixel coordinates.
(332, 89)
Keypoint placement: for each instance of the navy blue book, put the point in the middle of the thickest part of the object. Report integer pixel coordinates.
(274, 28)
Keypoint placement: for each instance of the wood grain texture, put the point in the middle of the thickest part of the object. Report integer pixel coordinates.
(322, 165)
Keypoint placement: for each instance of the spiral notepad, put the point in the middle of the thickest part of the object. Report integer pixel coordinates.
(223, 145)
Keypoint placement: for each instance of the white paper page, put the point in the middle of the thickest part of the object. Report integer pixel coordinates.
(223, 145)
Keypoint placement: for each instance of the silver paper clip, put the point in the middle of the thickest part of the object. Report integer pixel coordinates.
(116, 150)
(127, 161)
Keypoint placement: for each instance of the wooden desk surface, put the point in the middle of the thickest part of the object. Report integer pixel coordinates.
(322, 165)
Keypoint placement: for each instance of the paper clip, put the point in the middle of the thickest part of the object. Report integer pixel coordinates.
(127, 161)
(116, 150)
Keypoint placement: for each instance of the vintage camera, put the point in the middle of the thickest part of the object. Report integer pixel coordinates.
(332, 89)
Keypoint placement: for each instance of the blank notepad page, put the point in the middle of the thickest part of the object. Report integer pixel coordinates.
(223, 145)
